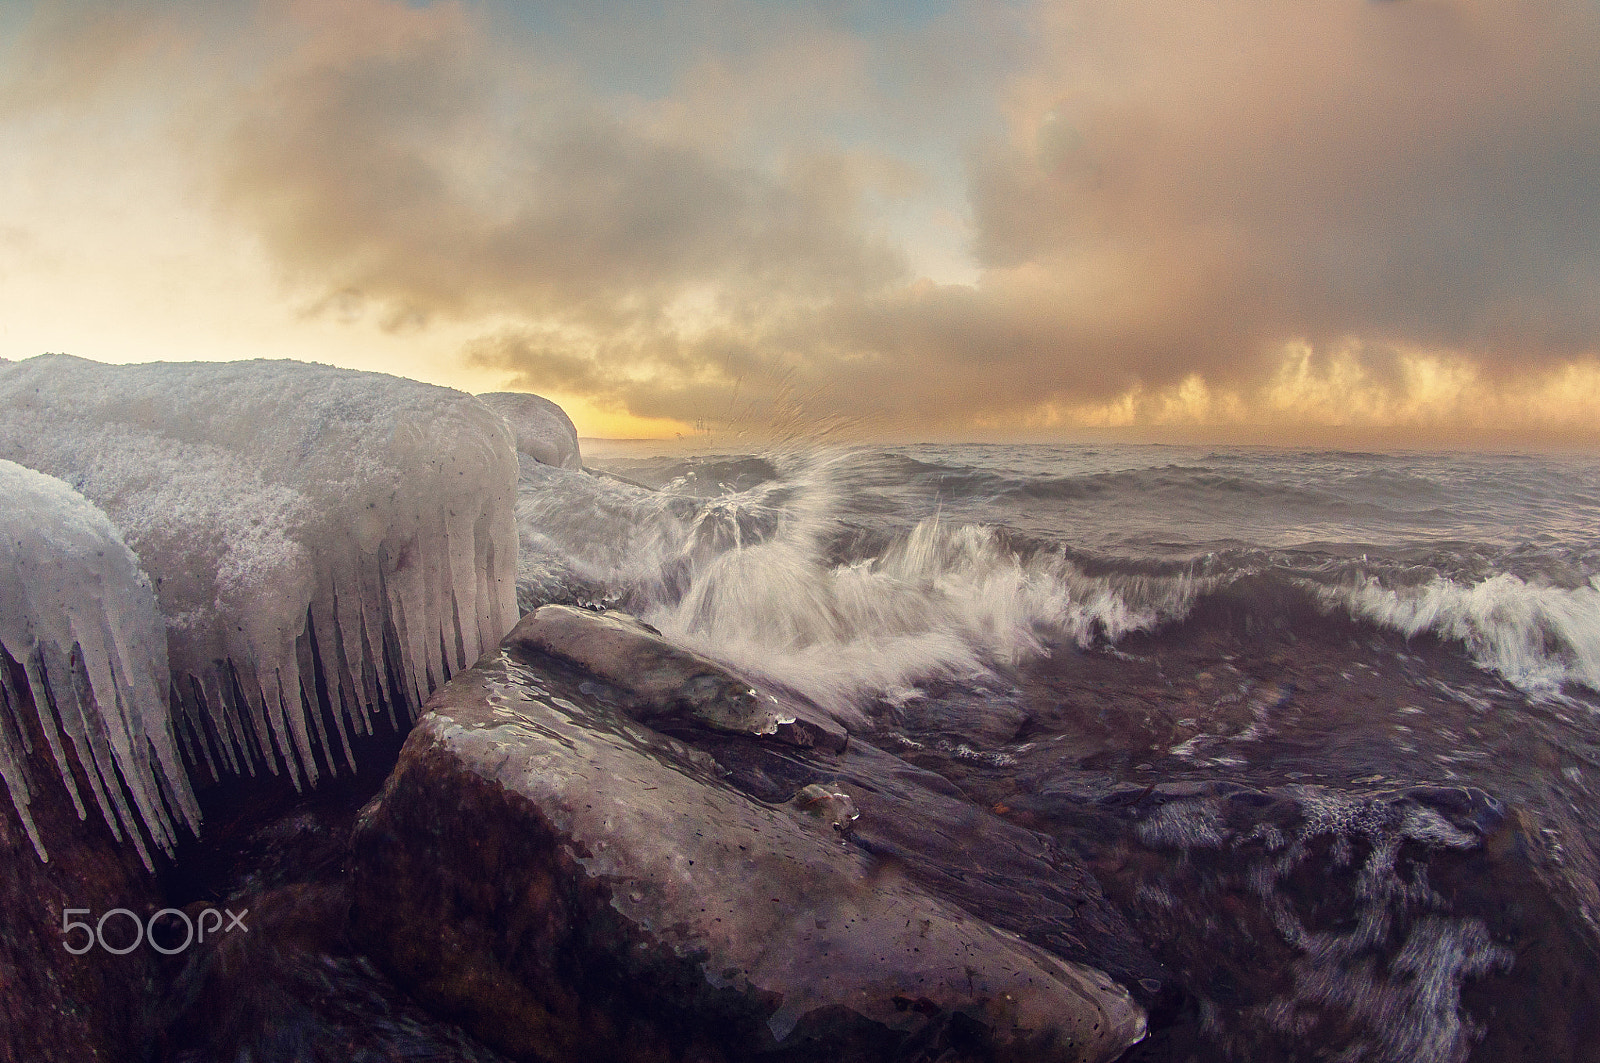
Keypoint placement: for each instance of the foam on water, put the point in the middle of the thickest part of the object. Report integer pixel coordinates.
(942, 601)
(1399, 1003)
(1536, 636)
(854, 577)
(753, 579)
(856, 574)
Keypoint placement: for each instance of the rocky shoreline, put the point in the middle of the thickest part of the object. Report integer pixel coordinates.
(542, 875)
(546, 876)
(1200, 842)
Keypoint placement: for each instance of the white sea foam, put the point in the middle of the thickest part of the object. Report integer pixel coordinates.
(943, 601)
(1536, 636)
(1405, 1009)
(79, 617)
(748, 579)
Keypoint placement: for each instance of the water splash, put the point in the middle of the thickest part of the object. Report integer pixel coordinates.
(1538, 637)
(784, 581)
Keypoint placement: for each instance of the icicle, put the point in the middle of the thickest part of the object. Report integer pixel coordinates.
(310, 705)
(276, 502)
(79, 619)
(327, 649)
(13, 763)
(61, 685)
(39, 693)
(325, 654)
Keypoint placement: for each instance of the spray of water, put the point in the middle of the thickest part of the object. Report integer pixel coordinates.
(759, 580)
(1536, 636)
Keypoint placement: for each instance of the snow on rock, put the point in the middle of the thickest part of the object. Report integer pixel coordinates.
(544, 431)
(295, 518)
(79, 618)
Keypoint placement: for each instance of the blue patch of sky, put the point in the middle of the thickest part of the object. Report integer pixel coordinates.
(640, 47)
(13, 19)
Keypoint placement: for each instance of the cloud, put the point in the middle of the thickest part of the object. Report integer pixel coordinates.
(65, 54)
(401, 155)
(1251, 216)
(1178, 195)
(1420, 173)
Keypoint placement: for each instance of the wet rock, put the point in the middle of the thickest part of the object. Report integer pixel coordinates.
(828, 803)
(665, 684)
(275, 978)
(568, 884)
(289, 988)
(915, 823)
(55, 1005)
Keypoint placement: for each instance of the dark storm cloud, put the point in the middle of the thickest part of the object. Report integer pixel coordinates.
(1426, 173)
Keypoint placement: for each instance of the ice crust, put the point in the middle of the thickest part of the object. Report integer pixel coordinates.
(543, 430)
(79, 617)
(294, 518)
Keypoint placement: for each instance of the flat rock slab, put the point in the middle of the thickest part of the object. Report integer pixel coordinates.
(665, 684)
(568, 883)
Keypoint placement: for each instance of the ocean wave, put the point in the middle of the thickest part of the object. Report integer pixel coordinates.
(1170, 481)
(944, 601)
(831, 573)
(1536, 636)
(774, 581)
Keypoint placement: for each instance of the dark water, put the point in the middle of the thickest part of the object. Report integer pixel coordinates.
(1323, 724)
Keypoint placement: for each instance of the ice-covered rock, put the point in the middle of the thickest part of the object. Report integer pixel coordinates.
(544, 431)
(79, 620)
(295, 519)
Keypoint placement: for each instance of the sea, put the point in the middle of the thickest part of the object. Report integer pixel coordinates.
(1324, 725)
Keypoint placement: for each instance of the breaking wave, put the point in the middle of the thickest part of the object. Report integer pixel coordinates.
(941, 602)
(850, 576)
(1537, 637)
(774, 582)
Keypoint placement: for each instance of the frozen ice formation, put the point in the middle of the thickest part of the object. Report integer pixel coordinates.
(295, 519)
(544, 431)
(79, 618)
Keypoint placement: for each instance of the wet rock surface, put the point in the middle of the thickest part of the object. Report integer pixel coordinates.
(666, 685)
(1258, 904)
(916, 824)
(55, 1005)
(565, 881)
(286, 984)
(1316, 871)
(295, 990)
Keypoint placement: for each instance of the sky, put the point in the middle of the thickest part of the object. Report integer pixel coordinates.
(1335, 223)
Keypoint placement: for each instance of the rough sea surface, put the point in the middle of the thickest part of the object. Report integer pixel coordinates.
(1323, 724)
